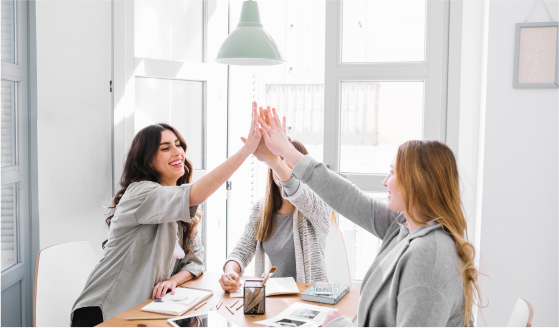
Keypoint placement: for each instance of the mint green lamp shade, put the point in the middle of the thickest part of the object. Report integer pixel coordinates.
(249, 44)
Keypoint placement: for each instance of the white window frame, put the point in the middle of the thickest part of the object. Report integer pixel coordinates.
(20, 272)
(431, 72)
(127, 67)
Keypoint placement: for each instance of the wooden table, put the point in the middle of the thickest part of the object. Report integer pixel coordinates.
(274, 305)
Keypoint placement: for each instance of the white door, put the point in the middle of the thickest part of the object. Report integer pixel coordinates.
(164, 72)
(17, 291)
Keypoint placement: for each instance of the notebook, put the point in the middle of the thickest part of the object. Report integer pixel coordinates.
(275, 286)
(339, 291)
(185, 298)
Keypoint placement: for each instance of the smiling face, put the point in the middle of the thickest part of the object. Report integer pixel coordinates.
(169, 160)
(395, 201)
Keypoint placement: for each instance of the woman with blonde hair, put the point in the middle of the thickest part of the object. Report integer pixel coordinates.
(424, 273)
(290, 225)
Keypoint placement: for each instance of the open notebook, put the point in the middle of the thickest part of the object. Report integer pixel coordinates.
(275, 286)
(185, 298)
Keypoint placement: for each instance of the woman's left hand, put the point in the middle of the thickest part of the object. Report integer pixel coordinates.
(161, 288)
(331, 316)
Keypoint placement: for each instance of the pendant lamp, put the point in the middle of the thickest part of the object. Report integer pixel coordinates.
(249, 44)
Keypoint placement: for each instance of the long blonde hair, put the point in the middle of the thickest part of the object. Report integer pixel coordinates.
(272, 201)
(428, 181)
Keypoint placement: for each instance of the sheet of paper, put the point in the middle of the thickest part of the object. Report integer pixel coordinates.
(177, 303)
(274, 286)
(299, 315)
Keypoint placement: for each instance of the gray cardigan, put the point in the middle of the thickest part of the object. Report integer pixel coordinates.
(140, 249)
(309, 235)
(414, 280)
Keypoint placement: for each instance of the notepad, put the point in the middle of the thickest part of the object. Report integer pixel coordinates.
(275, 286)
(185, 298)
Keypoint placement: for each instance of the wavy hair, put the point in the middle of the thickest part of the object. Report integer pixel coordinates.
(428, 181)
(272, 201)
(137, 168)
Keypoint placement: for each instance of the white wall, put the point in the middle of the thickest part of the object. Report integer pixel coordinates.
(519, 201)
(74, 120)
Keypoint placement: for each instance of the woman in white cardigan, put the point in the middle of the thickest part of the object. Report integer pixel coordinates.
(290, 225)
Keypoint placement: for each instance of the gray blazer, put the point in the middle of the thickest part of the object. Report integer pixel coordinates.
(140, 249)
(415, 279)
(309, 237)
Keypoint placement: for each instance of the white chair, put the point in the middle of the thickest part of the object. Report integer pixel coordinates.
(337, 265)
(61, 274)
(522, 314)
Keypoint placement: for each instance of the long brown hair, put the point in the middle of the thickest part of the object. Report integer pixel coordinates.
(137, 168)
(272, 201)
(428, 181)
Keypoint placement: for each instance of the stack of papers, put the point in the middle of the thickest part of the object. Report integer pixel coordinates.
(299, 315)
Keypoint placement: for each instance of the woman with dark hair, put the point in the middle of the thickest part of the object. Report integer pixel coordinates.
(153, 243)
(289, 225)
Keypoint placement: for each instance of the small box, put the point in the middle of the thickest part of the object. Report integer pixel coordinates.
(254, 295)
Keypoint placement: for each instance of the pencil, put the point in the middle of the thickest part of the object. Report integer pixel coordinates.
(240, 306)
(199, 306)
(151, 318)
(228, 309)
(232, 305)
(220, 304)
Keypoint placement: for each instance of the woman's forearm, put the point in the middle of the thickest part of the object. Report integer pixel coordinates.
(232, 266)
(181, 277)
(282, 171)
(208, 184)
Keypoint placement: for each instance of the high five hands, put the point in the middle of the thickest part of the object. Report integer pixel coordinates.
(274, 140)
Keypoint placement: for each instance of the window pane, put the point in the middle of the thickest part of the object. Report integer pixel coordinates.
(296, 88)
(376, 118)
(176, 102)
(8, 32)
(8, 123)
(169, 30)
(383, 30)
(9, 225)
(361, 246)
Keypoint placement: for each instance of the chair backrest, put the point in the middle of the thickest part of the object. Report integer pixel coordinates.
(61, 274)
(522, 314)
(337, 265)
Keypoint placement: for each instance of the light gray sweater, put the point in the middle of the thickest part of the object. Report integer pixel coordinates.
(309, 235)
(139, 253)
(414, 280)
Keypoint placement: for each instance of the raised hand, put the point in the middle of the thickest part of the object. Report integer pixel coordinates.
(254, 135)
(262, 153)
(273, 133)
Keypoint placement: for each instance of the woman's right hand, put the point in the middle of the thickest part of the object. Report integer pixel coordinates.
(230, 281)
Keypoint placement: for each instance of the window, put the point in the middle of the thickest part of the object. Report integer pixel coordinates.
(383, 86)
(163, 74)
(16, 255)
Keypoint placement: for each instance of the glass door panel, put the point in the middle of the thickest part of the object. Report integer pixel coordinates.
(8, 31)
(8, 123)
(376, 118)
(9, 225)
(361, 246)
(383, 31)
(175, 102)
(169, 30)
